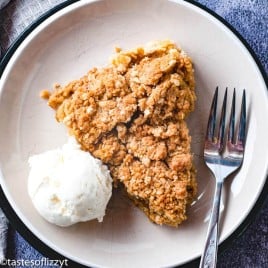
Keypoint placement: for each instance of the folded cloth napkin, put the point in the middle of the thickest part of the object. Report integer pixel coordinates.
(3, 235)
(3, 219)
(3, 3)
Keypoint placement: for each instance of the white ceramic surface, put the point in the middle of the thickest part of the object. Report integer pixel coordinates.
(83, 35)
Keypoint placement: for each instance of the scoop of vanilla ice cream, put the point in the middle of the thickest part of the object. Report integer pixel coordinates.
(69, 185)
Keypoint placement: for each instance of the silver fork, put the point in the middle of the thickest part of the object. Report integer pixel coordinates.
(221, 165)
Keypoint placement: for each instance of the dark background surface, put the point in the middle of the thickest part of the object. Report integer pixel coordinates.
(250, 19)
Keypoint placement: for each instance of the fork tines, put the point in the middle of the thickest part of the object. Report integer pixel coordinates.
(239, 139)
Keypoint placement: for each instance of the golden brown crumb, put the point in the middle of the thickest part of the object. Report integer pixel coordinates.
(117, 49)
(45, 94)
(130, 115)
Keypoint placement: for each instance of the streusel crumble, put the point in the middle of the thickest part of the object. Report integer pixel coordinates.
(131, 115)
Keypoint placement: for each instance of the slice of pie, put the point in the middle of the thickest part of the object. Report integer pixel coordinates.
(131, 115)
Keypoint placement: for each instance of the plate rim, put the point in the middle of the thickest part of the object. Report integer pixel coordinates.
(41, 246)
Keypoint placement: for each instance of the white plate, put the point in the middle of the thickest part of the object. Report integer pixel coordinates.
(83, 35)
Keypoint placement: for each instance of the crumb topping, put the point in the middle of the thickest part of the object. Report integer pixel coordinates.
(130, 115)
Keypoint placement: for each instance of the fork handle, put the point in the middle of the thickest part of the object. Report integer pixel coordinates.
(209, 256)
